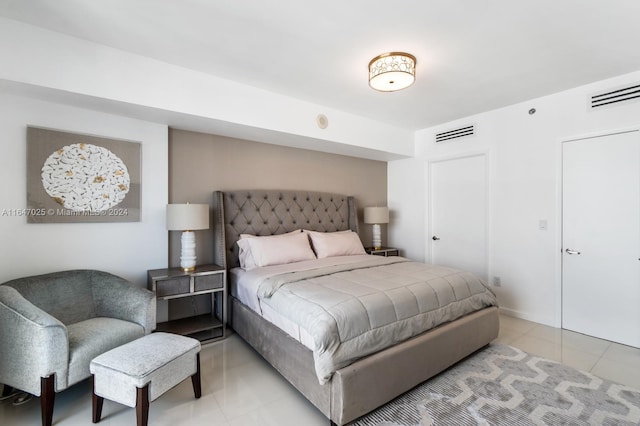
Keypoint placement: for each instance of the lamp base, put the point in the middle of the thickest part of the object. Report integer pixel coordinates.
(377, 237)
(188, 251)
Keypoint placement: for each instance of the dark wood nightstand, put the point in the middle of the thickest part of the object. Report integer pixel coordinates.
(173, 283)
(382, 251)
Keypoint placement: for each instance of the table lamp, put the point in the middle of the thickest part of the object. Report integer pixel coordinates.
(376, 216)
(187, 218)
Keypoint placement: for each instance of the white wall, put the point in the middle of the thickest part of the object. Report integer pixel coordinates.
(525, 173)
(126, 249)
(90, 72)
(406, 199)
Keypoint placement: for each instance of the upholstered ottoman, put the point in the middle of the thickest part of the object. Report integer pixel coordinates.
(141, 371)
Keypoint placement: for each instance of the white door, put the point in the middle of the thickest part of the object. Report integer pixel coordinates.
(458, 212)
(601, 237)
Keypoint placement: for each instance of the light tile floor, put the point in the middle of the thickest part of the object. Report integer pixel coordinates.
(602, 358)
(240, 389)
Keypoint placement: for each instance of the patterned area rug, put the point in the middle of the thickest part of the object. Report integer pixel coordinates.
(502, 385)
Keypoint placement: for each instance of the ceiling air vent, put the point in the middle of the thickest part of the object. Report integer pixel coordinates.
(455, 134)
(613, 97)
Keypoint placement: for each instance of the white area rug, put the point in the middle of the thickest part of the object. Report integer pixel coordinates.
(502, 385)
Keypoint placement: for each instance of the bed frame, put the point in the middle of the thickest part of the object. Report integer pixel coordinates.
(370, 382)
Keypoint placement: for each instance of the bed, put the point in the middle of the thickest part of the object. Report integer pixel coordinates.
(343, 388)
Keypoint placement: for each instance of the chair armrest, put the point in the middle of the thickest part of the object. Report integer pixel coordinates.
(115, 297)
(33, 344)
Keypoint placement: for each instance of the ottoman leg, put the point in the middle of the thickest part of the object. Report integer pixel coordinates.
(195, 379)
(142, 405)
(96, 401)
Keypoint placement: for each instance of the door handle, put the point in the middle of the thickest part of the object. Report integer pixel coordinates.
(434, 238)
(569, 251)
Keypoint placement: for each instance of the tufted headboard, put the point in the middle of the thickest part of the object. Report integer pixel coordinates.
(272, 212)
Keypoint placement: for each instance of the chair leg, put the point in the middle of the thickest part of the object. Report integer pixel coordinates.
(142, 405)
(47, 398)
(6, 391)
(96, 401)
(195, 379)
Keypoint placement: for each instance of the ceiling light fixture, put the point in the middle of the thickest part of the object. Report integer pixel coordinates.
(392, 71)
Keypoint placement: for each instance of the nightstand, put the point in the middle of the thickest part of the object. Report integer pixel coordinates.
(382, 251)
(174, 283)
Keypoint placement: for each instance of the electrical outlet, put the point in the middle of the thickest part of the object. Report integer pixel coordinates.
(497, 282)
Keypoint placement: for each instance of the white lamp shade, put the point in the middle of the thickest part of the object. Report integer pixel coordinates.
(187, 217)
(376, 215)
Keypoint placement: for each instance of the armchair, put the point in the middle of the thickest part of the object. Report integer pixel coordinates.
(53, 325)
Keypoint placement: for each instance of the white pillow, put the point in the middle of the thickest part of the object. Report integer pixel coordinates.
(334, 232)
(245, 256)
(280, 249)
(328, 244)
(297, 231)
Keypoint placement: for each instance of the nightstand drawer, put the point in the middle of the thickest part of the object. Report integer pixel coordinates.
(172, 286)
(208, 282)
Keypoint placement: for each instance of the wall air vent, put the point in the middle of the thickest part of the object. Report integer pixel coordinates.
(455, 134)
(613, 97)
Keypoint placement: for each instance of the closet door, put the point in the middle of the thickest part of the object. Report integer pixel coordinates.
(601, 237)
(458, 213)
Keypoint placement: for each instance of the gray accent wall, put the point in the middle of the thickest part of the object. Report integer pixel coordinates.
(201, 163)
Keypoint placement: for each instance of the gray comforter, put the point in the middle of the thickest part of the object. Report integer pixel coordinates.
(358, 309)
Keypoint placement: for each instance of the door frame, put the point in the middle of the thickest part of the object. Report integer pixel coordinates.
(487, 198)
(559, 211)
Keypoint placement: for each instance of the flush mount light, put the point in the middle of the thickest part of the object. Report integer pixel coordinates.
(392, 71)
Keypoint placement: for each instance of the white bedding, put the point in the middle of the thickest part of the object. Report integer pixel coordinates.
(244, 286)
(344, 308)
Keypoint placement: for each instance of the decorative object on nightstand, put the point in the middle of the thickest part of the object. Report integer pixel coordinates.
(376, 216)
(174, 283)
(382, 251)
(187, 218)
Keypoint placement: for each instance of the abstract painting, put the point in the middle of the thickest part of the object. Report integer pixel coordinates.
(73, 177)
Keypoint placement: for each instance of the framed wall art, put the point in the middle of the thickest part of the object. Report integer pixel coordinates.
(73, 177)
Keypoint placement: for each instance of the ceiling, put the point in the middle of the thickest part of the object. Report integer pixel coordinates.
(472, 55)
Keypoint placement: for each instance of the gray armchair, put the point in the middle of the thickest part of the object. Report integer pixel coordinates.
(53, 325)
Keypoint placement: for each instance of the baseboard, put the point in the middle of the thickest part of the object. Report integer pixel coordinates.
(527, 316)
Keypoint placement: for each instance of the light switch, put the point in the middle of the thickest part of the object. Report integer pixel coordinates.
(542, 224)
